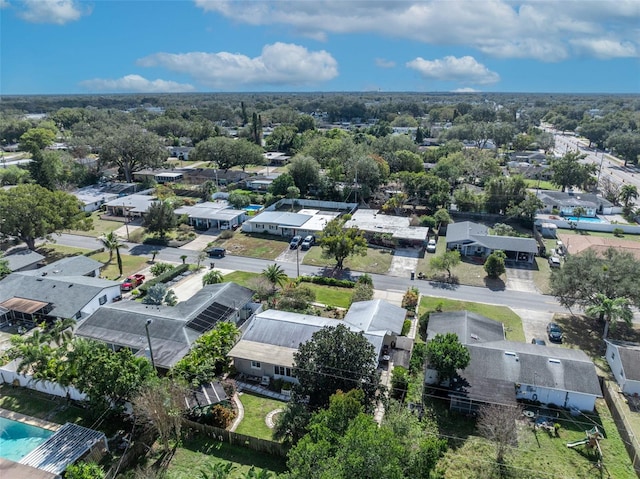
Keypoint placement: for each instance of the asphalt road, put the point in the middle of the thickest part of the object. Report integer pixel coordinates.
(513, 299)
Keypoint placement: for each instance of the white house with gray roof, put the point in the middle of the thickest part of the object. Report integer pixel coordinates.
(473, 239)
(624, 359)
(504, 372)
(135, 206)
(565, 203)
(68, 288)
(397, 228)
(272, 337)
(212, 214)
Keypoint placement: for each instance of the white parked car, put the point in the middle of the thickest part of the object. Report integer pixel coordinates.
(431, 246)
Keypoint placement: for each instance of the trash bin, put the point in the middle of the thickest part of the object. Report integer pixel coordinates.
(413, 275)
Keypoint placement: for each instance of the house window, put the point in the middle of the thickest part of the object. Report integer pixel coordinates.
(78, 314)
(283, 371)
(103, 299)
(613, 355)
(256, 365)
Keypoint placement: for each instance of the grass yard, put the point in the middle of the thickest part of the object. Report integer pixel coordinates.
(512, 322)
(100, 226)
(54, 252)
(542, 274)
(540, 455)
(254, 245)
(542, 184)
(243, 278)
(197, 453)
(130, 264)
(467, 272)
(256, 409)
(376, 261)
(331, 295)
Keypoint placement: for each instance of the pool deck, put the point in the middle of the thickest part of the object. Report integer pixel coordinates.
(33, 421)
(15, 470)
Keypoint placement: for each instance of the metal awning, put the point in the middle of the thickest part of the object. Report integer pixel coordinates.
(22, 305)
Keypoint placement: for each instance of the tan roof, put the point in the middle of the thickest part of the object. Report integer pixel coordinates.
(261, 352)
(21, 305)
(15, 470)
(577, 243)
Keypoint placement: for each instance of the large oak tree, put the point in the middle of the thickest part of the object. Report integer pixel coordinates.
(29, 212)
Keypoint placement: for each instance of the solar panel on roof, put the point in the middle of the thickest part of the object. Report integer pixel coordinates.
(209, 317)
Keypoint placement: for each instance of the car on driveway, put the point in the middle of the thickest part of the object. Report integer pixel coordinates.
(308, 242)
(538, 341)
(132, 282)
(554, 332)
(431, 246)
(295, 242)
(554, 261)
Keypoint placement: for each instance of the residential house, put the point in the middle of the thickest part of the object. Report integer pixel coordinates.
(159, 176)
(530, 157)
(213, 214)
(564, 203)
(624, 360)
(504, 372)
(272, 337)
(93, 197)
(180, 152)
(23, 259)
(132, 206)
(397, 230)
(68, 288)
(276, 158)
(473, 239)
(172, 329)
(258, 182)
(197, 176)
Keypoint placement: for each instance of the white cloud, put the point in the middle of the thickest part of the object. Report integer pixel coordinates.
(4, 4)
(542, 29)
(58, 12)
(382, 63)
(136, 83)
(462, 70)
(278, 64)
(465, 90)
(605, 48)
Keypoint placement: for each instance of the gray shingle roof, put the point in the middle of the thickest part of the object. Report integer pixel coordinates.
(376, 315)
(629, 357)
(470, 327)
(281, 218)
(469, 232)
(21, 258)
(463, 230)
(561, 198)
(70, 266)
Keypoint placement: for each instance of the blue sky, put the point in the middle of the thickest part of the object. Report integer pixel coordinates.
(152, 46)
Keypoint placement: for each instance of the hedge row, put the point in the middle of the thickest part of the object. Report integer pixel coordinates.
(341, 283)
(95, 251)
(164, 277)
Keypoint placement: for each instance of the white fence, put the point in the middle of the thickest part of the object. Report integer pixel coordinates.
(588, 226)
(48, 387)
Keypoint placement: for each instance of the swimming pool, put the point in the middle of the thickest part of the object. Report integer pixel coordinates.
(253, 207)
(18, 439)
(584, 219)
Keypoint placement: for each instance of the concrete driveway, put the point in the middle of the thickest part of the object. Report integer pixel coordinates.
(534, 324)
(403, 262)
(520, 278)
(201, 240)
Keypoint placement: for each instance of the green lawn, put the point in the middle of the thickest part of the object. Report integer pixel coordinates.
(256, 409)
(542, 274)
(130, 264)
(243, 278)
(196, 453)
(53, 252)
(467, 272)
(539, 455)
(100, 226)
(512, 322)
(542, 185)
(376, 260)
(254, 245)
(331, 295)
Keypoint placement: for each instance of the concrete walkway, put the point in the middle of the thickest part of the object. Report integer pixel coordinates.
(240, 416)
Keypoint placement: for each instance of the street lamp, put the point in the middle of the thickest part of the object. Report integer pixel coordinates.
(146, 327)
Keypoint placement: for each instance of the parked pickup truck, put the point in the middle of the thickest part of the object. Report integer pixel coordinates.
(132, 282)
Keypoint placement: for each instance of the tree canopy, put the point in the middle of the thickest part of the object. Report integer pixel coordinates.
(335, 358)
(30, 212)
(340, 243)
(446, 355)
(567, 172)
(583, 276)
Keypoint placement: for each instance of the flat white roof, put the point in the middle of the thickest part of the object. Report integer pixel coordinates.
(397, 226)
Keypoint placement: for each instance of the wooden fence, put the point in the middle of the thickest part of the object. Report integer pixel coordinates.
(253, 443)
(631, 441)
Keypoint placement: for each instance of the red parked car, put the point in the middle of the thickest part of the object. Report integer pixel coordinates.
(132, 282)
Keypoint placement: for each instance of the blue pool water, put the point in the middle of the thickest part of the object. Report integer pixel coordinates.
(584, 219)
(18, 439)
(253, 207)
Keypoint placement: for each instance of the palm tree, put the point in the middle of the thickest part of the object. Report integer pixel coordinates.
(611, 310)
(212, 277)
(111, 242)
(61, 331)
(275, 275)
(628, 193)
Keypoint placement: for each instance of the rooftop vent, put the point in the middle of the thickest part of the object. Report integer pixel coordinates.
(475, 336)
(554, 361)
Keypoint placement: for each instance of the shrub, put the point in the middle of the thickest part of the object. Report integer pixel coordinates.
(418, 357)
(226, 234)
(221, 415)
(160, 268)
(399, 382)
(164, 277)
(95, 251)
(362, 292)
(410, 298)
(619, 232)
(406, 327)
(341, 283)
(422, 326)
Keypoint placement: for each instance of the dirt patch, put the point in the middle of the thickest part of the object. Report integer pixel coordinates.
(577, 243)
